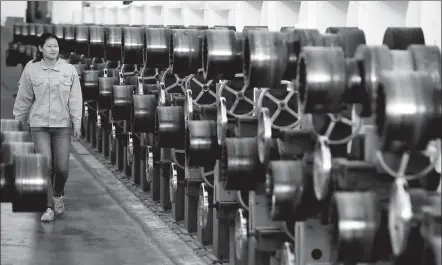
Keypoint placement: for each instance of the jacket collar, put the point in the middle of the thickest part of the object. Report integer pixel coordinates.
(56, 67)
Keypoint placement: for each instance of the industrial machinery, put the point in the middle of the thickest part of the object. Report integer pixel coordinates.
(294, 147)
(23, 173)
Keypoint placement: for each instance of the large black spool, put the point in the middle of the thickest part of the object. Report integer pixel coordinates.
(265, 58)
(30, 184)
(157, 47)
(144, 108)
(32, 38)
(39, 29)
(96, 41)
(122, 102)
(49, 28)
(187, 54)
(202, 147)
(114, 41)
(221, 54)
(401, 38)
(240, 166)
(105, 85)
(16, 31)
(10, 125)
(82, 40)
(90, 84)
(25, 34)
(169, 127)
(69, 38)
(58, 31)
(133, 44)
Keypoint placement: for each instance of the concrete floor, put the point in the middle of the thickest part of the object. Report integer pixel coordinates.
(94, 230)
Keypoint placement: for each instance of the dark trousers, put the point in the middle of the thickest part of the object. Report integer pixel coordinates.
(55, 144)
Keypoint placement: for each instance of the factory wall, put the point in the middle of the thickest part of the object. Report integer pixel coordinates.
(371, 16)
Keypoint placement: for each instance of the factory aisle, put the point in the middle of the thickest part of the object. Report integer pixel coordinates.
(104, 222)
(94, 230)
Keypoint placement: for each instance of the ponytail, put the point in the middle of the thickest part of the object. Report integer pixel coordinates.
(38, 57)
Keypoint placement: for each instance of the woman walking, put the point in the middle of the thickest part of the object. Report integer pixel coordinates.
(49, 98)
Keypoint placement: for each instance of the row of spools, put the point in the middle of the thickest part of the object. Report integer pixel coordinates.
(296, 147)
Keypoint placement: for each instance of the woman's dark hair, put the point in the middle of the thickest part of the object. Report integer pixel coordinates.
(41, 41)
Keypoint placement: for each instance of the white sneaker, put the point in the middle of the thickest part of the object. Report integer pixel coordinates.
(58, 205)
(48, 216)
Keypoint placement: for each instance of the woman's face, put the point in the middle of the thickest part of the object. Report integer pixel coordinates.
(49, 49)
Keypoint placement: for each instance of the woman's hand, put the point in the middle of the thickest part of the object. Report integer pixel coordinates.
(77, 134)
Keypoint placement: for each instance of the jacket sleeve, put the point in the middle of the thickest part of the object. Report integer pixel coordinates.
(76, 101)
(25, 97)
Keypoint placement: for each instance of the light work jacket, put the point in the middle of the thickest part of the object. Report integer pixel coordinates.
(49, 97)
